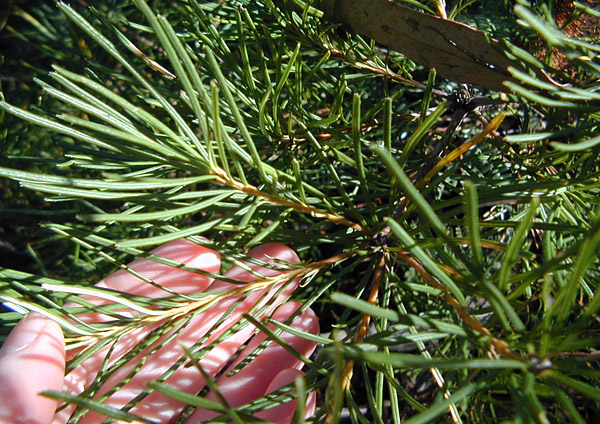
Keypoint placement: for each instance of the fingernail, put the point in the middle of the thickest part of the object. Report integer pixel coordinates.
(24, 333)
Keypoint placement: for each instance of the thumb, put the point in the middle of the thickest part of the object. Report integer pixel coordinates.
(32, 360)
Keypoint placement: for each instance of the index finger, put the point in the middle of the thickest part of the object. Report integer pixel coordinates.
(157, 275)
(182, 281)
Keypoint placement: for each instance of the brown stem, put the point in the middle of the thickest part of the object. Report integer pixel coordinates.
(500, 346)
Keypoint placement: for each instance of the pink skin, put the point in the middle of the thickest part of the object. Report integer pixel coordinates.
(32, 359)
(270, 370)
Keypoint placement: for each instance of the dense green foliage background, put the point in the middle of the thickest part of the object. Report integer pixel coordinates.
(458, 281)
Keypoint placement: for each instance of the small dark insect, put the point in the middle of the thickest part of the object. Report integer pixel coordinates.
(461, 97)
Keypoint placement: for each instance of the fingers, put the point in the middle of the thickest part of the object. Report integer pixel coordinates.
(266, 252)
(163, 355)
(255, 300)
(182, 281)
(284, 413)
(179, 280)
(271, 369)
(175, 279)
(32, 360)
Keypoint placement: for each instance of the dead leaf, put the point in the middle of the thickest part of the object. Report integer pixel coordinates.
(457, 51)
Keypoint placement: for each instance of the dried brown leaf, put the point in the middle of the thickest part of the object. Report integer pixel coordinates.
(457, 51)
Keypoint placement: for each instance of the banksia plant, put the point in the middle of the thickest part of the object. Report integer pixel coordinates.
(435, 166)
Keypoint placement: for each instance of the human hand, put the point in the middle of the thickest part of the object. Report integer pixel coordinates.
(32, 358)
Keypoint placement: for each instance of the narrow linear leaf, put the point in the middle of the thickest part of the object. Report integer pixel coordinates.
(515, 244)
(97, 407)
(426, 260)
